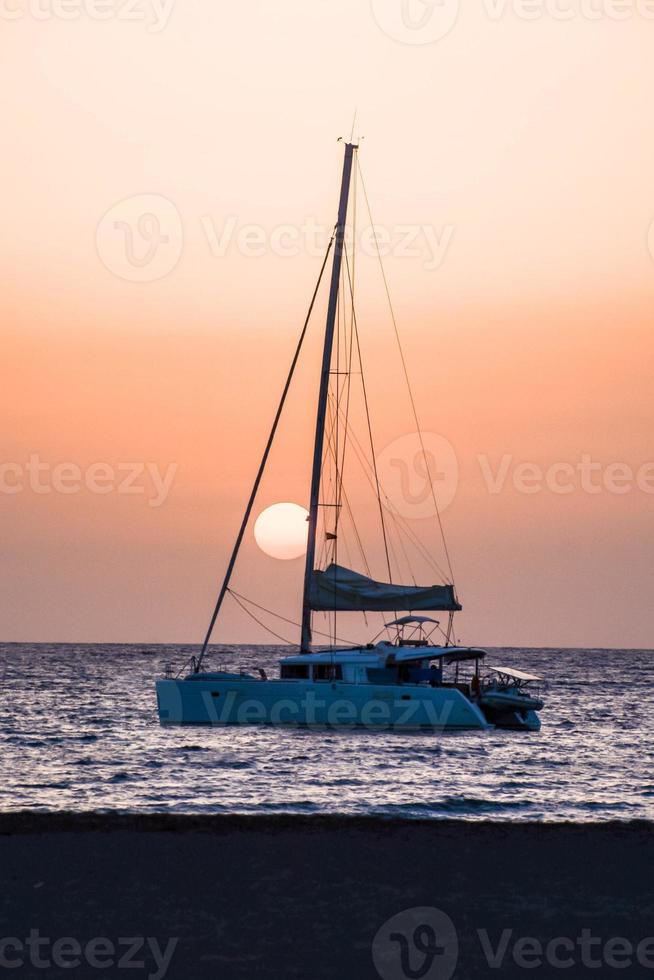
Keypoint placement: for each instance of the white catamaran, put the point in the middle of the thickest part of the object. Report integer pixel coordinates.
(404, 681)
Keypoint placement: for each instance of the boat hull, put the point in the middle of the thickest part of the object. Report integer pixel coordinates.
(211, 700)
(512, 709)
(518, 720)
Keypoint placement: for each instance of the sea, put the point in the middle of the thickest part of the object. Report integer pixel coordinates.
(79, 732)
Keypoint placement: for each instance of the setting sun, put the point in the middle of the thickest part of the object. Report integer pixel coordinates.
(281, 531)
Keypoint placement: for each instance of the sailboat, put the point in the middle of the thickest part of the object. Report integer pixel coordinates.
(408, 679)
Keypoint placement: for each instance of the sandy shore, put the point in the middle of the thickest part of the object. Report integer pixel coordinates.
(286, 897)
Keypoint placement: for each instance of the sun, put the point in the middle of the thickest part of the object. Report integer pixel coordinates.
(281, 531)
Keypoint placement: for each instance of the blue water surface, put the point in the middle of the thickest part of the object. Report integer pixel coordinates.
(79, 731)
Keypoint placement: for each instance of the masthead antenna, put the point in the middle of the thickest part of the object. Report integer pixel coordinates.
(354, 119)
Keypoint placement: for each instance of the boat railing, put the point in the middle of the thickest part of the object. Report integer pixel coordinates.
(503, 683)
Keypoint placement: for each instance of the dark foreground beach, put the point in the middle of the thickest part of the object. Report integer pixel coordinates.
(232, 897)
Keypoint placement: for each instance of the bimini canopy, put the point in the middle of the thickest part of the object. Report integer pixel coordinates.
(516, 675)
(412, 621)
(450, 655)
(342, 590)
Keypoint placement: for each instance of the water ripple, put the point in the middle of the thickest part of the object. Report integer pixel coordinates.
(79, 731)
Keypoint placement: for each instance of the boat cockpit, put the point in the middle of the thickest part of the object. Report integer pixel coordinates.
(388, 663)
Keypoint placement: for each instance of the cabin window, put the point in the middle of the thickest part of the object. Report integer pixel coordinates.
(382, 675)
(327, 672)
(294, 672)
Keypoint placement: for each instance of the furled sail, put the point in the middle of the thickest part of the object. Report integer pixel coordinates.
(342, 590)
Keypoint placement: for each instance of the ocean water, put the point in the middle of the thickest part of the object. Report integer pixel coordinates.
(79, 731)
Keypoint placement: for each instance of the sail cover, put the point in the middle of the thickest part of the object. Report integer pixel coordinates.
(342, 590)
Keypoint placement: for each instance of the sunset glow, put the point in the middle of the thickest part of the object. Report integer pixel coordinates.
(167, 204)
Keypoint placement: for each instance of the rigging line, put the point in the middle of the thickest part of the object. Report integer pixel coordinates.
(340, 388)
(330, 426)
(342, 393)
(391, 547)
(351, 333)
(348, 506)
(329, 436)
(395, 514)
(350, 513)
(264, 460)
(397, 519)
(402, 525)
(348, 553)
(408, 383)
(330, 448)
(349, 510)
(366, 468)
(397, 528)
(365, 400)
(249, 613)
(339, 489)
(331, 452)
(340, 322)
(395, 525)
(326, 479)
(347, 406)
(291, 622)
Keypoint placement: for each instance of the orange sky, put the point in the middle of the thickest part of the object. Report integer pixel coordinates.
(525, 151)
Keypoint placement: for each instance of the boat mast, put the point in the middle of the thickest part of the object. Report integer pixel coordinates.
(248, 510)
(314, 504)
